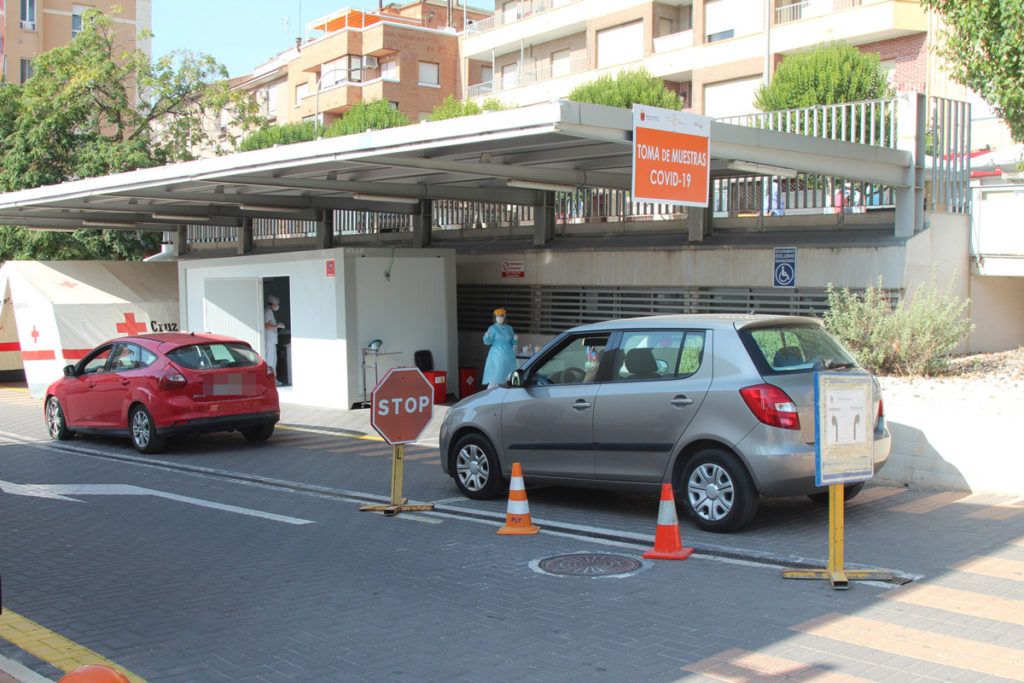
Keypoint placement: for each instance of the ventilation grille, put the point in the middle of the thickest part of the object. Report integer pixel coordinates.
(546, 309)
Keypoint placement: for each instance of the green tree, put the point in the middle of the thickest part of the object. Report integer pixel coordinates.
(364, 116)
(984, 47)
(827, 74)
(451, 108)
(626, 89)
(93, 107)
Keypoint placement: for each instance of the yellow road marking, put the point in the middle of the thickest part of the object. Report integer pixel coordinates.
(314, 430)
(24, 390)
(62, 653)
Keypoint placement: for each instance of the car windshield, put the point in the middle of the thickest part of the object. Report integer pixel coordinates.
(790, 348)
(213, 356)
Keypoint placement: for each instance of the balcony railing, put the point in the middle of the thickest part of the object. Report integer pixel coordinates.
(529, 77)
(522, 9)
(785, 14)
(674, 41)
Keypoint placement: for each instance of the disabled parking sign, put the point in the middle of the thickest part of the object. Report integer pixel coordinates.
(785, 267)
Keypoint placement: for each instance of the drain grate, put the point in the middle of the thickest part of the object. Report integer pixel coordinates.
(589, 564)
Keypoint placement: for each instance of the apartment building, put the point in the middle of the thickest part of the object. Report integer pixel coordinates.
(714, 53)
(406, 54)
(32, 27)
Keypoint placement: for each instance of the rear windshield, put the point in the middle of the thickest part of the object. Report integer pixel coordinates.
(793, 348)
(213, 356)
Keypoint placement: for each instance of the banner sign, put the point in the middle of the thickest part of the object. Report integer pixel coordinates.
(671, 156)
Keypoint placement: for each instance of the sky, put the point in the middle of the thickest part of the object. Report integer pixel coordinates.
(242, 34)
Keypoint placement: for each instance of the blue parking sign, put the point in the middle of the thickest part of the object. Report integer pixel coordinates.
(785, 267)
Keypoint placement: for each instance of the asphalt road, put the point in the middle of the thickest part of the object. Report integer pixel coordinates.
(227, 561)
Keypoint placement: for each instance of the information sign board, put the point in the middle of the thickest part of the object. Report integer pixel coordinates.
(844, 428)
(671, 156)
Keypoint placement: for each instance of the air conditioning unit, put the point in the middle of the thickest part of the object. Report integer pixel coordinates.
(369, 62)
(28, 26)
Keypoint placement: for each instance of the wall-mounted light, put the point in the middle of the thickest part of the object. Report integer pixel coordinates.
(180, 217)
(107, 224)
(540, 185)
(394, 198)
(763, 169)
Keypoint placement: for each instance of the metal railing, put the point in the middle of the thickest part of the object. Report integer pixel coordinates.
(949, 146)
(869, 122)
(522, 9)
(529, 76)
(788, 13)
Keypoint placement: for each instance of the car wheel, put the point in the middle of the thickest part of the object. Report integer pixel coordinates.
(143, 431)
(259, 432)
(849, 491)
(55, 421)
(718, 493)
(477, 471)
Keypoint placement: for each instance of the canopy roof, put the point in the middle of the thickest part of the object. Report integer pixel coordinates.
(489, 157)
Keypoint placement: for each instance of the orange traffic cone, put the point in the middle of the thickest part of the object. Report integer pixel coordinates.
(517, 519)
(667, 543)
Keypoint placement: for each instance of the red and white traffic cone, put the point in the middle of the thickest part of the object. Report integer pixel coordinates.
(517, 519)
(667, 543)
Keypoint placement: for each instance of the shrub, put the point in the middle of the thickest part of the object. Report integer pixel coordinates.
(284, 134)
(364, 116)
(627, 88)
(912, 338)
(451, 108)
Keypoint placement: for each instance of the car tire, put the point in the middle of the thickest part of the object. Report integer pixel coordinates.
(717, 491)
(476, 469)
(849, 491)
(143, 431)
(55, 422)
(259, 432)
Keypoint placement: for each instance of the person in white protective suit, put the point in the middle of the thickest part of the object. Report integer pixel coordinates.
(501, 359)
(270, 330)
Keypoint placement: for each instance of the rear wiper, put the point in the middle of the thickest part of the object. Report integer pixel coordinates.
(837, 365)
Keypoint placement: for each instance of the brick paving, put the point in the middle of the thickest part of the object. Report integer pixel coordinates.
(177, 592)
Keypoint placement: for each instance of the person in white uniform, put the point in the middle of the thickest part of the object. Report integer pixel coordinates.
(271, 328)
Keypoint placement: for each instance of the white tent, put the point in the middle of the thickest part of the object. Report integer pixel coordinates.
(54, 312)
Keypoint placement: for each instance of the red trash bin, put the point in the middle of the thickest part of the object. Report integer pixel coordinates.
(438, 380)
(467, 382)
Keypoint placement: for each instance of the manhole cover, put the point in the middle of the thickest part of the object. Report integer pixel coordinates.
(589, 564)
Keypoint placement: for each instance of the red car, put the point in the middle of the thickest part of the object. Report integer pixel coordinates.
(153, 386)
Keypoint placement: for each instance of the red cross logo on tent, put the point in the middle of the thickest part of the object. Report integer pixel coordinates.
(35, 335)
(130, 326)
(68, 284)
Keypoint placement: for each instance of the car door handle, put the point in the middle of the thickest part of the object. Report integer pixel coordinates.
(680, 401)
(124, 381)
(580, 404)
(91, 385)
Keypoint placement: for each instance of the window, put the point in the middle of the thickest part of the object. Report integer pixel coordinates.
(509, 76)
(216, 355)
(665, 27)
(486, 74)
(576, 362)
(731, 97)
(429, 74)
(28, 15)
(272, 99)
(560, 62)
(355, 68)
(620, 44)
(97, 362)
(76, 19)
(658, 354)
(389, 70)
(26, 70)
(794, 348)
(301, 91)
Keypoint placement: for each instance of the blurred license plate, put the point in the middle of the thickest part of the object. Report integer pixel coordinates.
(232, 384)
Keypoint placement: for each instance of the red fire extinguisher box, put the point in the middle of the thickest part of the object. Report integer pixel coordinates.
(438, 380)
(467, 382)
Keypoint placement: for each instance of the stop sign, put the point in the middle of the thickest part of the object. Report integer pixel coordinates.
(402, 405)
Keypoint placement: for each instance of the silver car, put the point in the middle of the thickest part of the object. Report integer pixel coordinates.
(721, 406)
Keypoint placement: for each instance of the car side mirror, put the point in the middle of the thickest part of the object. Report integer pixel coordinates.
(516, 379)
(69, 370)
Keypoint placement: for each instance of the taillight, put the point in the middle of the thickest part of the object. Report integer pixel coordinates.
(771, 405)
(881, 412)
(172, 380)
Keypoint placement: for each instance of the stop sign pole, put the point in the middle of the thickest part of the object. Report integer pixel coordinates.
(402, 406)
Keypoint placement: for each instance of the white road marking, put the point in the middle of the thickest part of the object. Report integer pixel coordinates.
(65, 491)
